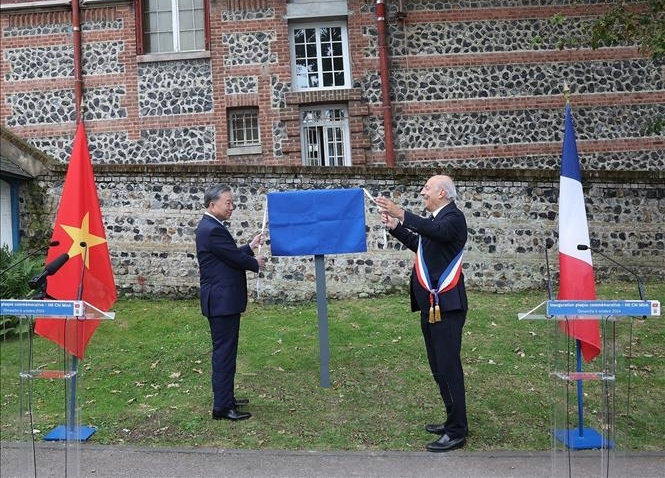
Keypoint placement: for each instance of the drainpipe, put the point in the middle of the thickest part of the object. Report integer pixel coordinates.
(78, 76)
(385, 83)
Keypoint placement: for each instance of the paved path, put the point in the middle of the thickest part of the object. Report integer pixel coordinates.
(16, 460)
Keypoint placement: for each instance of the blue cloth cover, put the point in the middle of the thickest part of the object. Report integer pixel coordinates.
(319, 221)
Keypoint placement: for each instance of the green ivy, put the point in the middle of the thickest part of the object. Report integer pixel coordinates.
(625, 24)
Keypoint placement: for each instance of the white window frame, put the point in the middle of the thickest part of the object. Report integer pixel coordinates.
(175, 25)
(299, 85)
(316, 152)
(246, 147)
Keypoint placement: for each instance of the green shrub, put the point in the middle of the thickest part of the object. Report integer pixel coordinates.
(14, 285)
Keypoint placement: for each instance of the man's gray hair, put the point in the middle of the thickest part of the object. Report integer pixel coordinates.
(213, 193)
(449, 187)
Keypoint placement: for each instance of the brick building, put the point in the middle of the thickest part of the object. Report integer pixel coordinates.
(296, 82)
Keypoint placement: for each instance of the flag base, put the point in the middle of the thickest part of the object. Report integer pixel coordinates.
(585, 439)
(62, 433)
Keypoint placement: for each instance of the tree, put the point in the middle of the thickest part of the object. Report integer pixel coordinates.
(639, 23)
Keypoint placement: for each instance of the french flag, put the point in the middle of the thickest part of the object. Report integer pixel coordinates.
(576, 279)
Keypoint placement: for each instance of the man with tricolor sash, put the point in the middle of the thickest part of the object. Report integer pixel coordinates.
(437, 291)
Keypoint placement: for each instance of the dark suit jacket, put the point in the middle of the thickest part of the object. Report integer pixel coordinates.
(443, 238)
(222, 265)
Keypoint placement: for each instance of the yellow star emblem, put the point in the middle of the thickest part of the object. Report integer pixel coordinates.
(82, 234)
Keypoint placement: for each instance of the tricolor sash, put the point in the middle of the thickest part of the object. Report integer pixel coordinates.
(449, 279)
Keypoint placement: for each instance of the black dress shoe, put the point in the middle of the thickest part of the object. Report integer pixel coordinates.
(445, 443)
(239, 402)
(436, 428)
(229, 414)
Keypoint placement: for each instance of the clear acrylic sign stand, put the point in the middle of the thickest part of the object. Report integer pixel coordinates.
(49, 374)
(590, 400)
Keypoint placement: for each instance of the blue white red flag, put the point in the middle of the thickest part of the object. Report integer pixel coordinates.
(576, 277)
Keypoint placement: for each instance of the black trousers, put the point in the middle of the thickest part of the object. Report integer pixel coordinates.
(443, 341)
(224, 331)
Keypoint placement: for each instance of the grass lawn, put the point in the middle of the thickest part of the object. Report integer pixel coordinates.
(146, 377)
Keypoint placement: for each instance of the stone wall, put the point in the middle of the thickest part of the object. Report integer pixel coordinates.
(151, 213)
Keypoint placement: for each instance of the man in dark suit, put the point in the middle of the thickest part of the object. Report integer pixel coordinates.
(437, 291)
(222, 266)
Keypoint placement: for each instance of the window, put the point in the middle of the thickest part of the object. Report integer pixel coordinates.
(325, 136)
(321, 57)
(161, 31)
(244, 128)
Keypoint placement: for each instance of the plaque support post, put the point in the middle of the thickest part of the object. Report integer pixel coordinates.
(322, 313)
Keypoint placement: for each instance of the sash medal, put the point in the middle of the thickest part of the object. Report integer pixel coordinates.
(447, 281)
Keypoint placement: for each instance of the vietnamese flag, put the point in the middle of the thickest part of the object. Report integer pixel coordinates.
(576, 278)
(80, 231)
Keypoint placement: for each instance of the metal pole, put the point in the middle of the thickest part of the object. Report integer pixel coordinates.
(322, 312)
(580, 392)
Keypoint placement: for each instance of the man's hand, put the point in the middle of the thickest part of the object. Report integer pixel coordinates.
(389, 222)
(258, 240)
(262, 262)
(390, 208)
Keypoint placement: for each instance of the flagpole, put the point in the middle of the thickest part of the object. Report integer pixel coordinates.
(578, 281)
(566, 92)
(578, 343)
(580, 391)
(74, 368)
(258, 252)
(71, 287)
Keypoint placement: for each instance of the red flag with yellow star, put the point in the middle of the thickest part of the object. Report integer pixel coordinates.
(79, 229)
